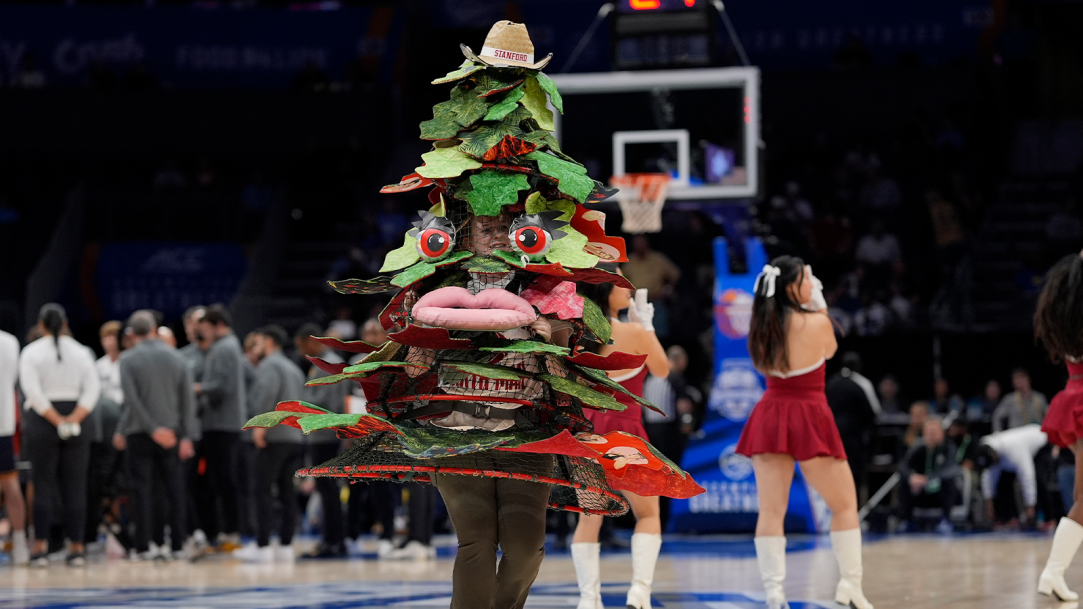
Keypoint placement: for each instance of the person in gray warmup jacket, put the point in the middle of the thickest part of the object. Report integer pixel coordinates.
(324, 445)
(157, 427)
(223, 393)
(279, 450)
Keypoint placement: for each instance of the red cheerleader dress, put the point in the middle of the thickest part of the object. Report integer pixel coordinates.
(1064, 420)
(629, 420)
(793, 418)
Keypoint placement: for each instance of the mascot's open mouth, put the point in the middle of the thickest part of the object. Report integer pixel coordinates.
(456, 308)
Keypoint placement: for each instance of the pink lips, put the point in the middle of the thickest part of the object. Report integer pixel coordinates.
(456, 308)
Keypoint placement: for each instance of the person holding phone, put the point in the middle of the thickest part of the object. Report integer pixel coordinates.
(635, 337)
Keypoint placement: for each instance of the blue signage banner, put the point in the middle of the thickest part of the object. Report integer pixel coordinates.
(166, 276)
(190, 47)
(730, 503)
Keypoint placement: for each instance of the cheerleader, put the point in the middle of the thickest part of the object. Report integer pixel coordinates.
(790, 339)
(636, 337)
(1058, 324)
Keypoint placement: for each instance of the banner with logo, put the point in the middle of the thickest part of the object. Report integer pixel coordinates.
(730, 503)
(166, 276)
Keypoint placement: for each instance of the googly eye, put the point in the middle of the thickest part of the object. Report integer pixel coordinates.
(533, 241)
(434, 244)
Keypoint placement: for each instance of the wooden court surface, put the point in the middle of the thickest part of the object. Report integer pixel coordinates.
(915, 572)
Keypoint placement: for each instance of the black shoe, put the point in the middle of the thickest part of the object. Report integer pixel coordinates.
(39, 561)
(76, 559)
(337, 550)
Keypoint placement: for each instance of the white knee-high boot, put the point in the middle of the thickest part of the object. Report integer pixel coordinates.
(771, 557)
(587, 573)
(847, 546)
(1065, 543)
(645, 547)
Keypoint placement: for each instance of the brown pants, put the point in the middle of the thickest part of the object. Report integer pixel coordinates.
(491, 512)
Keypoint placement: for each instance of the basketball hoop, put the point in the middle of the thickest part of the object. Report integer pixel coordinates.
(641, 197)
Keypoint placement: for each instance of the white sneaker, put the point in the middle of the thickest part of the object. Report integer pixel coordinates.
(413, 550)
(20, 554)
(254, 554)
(284, 554)
(385, 548)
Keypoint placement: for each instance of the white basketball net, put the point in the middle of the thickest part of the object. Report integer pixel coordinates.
(641, 197)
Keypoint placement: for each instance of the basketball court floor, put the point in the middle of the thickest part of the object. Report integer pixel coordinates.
(994, 571)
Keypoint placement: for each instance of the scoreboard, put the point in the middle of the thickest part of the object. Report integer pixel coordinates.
(660, 34)
(630, 6)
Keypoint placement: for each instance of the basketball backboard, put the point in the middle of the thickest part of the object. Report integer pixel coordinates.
(701, 126)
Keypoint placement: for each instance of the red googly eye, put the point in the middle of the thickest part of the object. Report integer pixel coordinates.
(531, 240)
(433, 243)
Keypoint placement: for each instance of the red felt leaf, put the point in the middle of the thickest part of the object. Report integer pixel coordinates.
(350, 346)
(509, 146)
(391, 311)
(434, 195)
(504, 167)
(295, 406)
(406, 184)
(428, 338)
(561, 444)
(328, 367)
(591, 223)
(600, 276)
(649, 483)
(617, 360)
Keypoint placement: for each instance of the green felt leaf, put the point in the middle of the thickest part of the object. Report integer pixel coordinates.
(542, 138)
(371, 366)
(596, 321)
(466, 69)
(508, 257)
(446, 163)
(418, 271)
(314, 422)
(383, 354)
(439, 128)
(586, 395)
(270, 419)
(550, 87)
(495, 189)
(459, 278)
(529, 346)
(402, 257)
(564, 205)
(568, 250)
(492, 83)
(440, 209)
(536, 203)
(534, 100)
(516, 117)
(504, 107)
(433, 442)
(376, 285)
(571, 178)
(485, 264)
(478, 141)
(465, 106)
(488, 371)
(597, 376)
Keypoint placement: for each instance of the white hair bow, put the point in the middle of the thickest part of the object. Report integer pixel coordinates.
(768, 274)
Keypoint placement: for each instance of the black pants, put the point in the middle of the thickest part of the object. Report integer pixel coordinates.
(219, 450)
(149, 464)
(246, 488)
(275, 466)
(944, 498)
(101, 464)
(372, 502)
(58, 469)
(422, 505)
(489, 513)
(334, 528)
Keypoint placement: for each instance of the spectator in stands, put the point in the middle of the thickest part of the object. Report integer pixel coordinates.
(919, 413)
(947, 232)
(881, 194)
(854, 403)
(343, 326)
(654, 272)
(966, 446)
(985, 405)
(61, 384)
(873, 318)
(1011, 451)
(195, 351)
(944, 401)
(10, 491)
(879, 249)
(1023, 406)
(157, 427)
(929, 472)
(222, 388)
(280, 450)
(890, 402)
(324, 445)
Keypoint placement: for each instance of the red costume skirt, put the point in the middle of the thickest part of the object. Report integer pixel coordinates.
(793, 418)
(1064, 421)
(629, 420)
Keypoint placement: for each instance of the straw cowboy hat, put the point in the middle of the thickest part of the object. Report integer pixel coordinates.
(507, 46)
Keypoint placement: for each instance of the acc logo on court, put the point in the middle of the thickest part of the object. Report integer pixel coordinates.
(736, 389)
(733, 313)
(734, 466)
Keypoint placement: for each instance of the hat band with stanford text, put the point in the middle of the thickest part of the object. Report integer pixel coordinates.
(507, 55)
